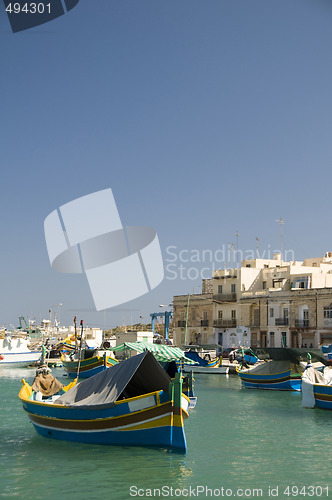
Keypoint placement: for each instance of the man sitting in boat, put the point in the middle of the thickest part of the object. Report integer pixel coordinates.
(45, 382)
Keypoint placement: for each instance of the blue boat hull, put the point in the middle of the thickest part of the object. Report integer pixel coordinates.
(280, 382)
(323, 397)
(151, 420)
(158, 437)
(87, 367)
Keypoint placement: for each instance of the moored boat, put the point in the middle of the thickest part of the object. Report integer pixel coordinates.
(135, 403)
(205, 360)
(92, 362)
(14, 350)
(277, 375)
(317, 388)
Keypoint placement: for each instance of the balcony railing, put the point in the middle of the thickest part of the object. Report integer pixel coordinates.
(302, 323)
(222, 323)
(181, 324)
(224, 297)
(281, 321)
(204, 322)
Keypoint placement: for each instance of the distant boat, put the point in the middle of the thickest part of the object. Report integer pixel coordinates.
(206, 361)
(247, 354)
(14, 350)
(327, 351)
(277, 375)
(280, 368)
(317, 388)
(93, 361)
(135, 403)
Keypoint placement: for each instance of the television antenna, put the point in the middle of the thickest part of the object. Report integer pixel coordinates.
(281, 222)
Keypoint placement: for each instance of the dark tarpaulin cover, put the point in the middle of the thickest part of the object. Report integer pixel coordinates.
(290, 353)
(135, 376)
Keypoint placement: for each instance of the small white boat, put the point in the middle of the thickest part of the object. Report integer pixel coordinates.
(14, 350)
(217, 370)
(206, 361)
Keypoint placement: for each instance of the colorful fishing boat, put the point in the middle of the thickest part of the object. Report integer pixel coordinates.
(317, 388)
(133, 404)
(278, 375)
(92, 362)
(205, 360)
(245, 354)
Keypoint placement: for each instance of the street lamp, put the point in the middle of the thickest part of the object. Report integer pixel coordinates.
(50, 311)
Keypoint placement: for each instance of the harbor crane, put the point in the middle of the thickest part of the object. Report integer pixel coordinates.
(167, 315)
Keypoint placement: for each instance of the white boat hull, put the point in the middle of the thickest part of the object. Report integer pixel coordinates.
(15, 351)
(19, 359)
(219, 370)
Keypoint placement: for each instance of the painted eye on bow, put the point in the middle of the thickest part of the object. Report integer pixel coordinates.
(24, 15)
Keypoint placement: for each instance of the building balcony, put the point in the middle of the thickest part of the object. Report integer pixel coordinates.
(223, 323)
(225, 297)
(281, 321)
(302, 323)
(181, 324)
(255, 323)
(204, 322)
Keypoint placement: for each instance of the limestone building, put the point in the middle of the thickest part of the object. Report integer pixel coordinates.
(265, 302)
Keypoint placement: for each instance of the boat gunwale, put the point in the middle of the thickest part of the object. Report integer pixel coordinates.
(262, 374)
(44, 404)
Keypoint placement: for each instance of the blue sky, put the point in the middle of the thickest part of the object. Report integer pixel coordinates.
(204, 117)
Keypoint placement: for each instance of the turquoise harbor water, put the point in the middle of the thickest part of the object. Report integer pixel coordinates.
(241, 443)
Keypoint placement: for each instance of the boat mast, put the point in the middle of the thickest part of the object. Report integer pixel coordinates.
(185, 333)
(80, 351)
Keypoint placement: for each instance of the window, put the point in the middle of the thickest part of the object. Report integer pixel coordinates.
(219, 288)
(205, 315)
(266, 266)
(328, 312)
(271, 312)
(264, 285)
(283, 339)
(271, 339)
(233, 288)
(233, 314)
(301, 282)
(193, 314)
(306, 317)
(219, 314)
(248, 265)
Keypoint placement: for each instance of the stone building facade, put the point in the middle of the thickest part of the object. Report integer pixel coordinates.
(264, 303)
